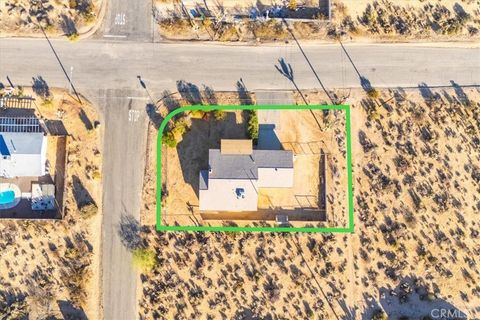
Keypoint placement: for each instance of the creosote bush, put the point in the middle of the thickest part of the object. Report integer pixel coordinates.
(252, 127)
(373, 93)
(169, 140)
(88, 210)
(219, 115)
(144, 259)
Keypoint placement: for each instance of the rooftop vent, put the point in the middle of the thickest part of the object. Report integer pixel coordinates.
(240, 192)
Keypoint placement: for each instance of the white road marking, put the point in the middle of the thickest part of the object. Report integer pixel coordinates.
(114, 36)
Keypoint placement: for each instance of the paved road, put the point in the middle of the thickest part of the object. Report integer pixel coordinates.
(104, 70)
(128, 20)
(124, 163)
(99, 64)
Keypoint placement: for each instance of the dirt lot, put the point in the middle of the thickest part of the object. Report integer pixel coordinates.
(50, 268)
(352, 20)
(416, 240)
(298, 132)
(21, 18)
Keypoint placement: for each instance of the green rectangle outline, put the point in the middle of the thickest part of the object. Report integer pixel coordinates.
(346, 108)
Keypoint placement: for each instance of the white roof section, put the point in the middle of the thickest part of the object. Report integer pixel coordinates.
(227, 195)
(275, 177)
(23, 154)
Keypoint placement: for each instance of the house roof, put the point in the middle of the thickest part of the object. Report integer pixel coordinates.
(23, 154)
(21, 143)
(232, 181)
(237, 166)
(229, 195)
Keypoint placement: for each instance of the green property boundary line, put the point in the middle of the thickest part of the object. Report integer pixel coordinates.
(346, 108)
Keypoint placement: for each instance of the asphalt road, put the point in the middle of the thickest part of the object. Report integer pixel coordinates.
(128, 20)
(106, 72)
(123, 169)
(107, 65)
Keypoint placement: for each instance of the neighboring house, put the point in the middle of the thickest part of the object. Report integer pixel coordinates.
(23, 154)
(26, 189)
(236, 172)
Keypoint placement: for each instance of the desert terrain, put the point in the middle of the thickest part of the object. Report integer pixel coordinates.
(51, 267)
(23, 18)
(297, 130)
(416, 240)
(351, 20)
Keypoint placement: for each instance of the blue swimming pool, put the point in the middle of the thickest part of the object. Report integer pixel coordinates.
(7, 197)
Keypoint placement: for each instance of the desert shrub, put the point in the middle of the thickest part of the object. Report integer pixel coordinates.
(50, 28)
(227, 32)
(292, 5)
(96, 175)
(379, 315)
(373, 93)
(176, 25)
(219, 115)
(47, 103)
(19, 91)
(12, 305)
(252, 127)
(88, 210)
(197, 114)
(144, 259)
(207, 22)
(269, 30)
(169, 140)
(73, 36)
(88, 13)
(180, 127)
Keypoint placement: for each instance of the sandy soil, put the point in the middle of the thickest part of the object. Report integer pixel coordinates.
(20, 18)
(298, 131)
(352, 20)
(416, 240)
(52, 267)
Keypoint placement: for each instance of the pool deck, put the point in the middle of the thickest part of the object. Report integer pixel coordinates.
(24, 210)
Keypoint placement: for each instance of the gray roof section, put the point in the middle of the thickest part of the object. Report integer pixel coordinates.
(246, 166)
(23, 142)
(203, 179)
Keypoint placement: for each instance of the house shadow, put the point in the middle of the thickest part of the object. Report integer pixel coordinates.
(81, 194)
(413, 299)
(86, 121)
(17, 112)
(69, 311)
(267, 138)
(56, 128)
(202, 136)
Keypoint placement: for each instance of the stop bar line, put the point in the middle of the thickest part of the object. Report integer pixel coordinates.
(114, 36)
